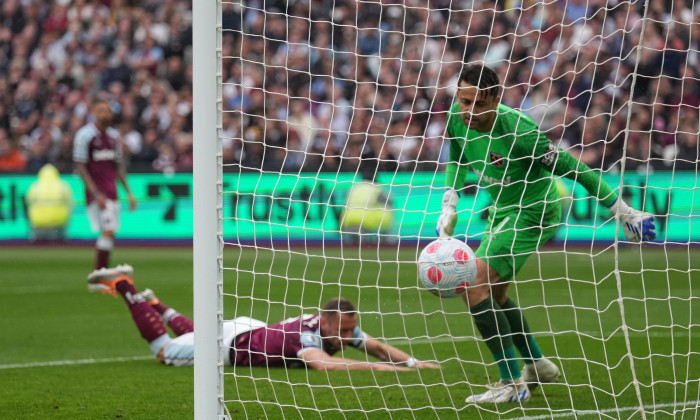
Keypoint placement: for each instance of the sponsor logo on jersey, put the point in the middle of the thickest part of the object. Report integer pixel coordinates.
(551, 155)
(496, 159)
(104, 154)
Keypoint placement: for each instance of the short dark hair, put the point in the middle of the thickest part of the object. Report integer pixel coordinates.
(98, 102)
(339, 306)
(481, 76)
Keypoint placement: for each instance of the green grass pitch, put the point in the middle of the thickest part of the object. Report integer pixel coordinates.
(69, 354)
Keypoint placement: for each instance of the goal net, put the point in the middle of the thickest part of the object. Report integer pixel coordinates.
(334, 147)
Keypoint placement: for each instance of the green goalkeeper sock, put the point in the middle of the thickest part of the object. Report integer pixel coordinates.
(495, 329)
(523, 340)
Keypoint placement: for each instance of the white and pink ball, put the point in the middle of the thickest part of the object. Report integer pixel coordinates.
(446, 267)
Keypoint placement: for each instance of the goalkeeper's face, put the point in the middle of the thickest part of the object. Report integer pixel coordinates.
(337, 329)
(477, 107)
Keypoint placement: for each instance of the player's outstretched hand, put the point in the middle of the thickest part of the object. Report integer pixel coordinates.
(448, 218)
(388, 366)
(426, 365)
(637, 225)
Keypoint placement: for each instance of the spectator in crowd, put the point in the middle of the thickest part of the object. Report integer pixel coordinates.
(49, 203)
(11, 159)
(57, 59)
(368, 212)
(343, 66)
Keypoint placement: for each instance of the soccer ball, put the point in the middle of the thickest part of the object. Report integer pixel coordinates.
(446, 267)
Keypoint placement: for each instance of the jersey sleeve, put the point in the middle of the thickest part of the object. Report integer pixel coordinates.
(563, 164)
(312, 340)
(309, 340)
(359, 338)
(531, 142)
(81, 145)
(113, 133)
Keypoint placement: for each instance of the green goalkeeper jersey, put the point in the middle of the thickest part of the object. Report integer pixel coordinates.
(514, 163)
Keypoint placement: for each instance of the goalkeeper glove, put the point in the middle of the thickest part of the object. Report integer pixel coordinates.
(637, 225)
(448, 218)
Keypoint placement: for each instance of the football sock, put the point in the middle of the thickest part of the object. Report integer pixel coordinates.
(104, 246)
(102, 259)
(495, 329)
(179, 323)
(523, 340)
(148, 321)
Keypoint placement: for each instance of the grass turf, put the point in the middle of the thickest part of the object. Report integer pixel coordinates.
(69, 354)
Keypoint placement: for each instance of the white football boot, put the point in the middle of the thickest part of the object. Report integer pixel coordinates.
(150, 297)
(125, 269)
(514, 391)
(540, 372)
(105, 279)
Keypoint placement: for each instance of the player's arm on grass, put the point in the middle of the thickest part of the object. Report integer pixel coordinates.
(318, 359)
(637, 225)
(390, 353)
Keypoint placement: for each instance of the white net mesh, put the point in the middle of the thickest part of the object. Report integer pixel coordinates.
(334, 151)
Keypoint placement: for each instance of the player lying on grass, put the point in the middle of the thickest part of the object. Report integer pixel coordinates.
(514, 162)
(308, 340)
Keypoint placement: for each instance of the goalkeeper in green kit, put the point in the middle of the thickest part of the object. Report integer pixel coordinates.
(516, 164)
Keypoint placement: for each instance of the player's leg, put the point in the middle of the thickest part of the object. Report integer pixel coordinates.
(179, 323)
(104, 247)
(106, 221)
(493, 271)
(537, 367)
(147, 320)
(495, 330)
(179, 351)
(523, 340)
(491, 322)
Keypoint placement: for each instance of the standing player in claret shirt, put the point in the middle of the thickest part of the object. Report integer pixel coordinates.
(97, 152)
(515, 164)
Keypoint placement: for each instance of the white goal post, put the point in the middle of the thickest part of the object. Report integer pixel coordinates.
(207, 237)
(320, 150)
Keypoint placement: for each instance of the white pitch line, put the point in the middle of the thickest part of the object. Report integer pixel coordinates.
(74, 362)
(394, 341)
(574, 413)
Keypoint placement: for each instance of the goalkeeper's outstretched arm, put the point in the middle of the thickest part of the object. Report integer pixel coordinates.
(637, 225)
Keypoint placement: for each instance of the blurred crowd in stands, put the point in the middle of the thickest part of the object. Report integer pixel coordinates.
(322, 85)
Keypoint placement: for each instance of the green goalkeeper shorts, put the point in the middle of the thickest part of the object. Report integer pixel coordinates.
(511, 239)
